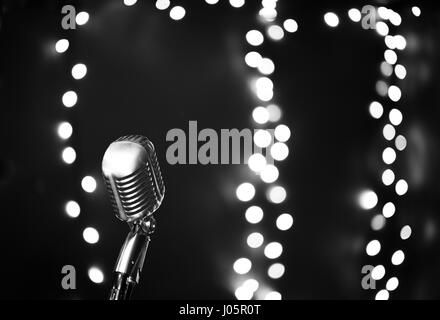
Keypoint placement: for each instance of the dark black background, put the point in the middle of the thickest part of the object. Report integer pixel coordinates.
(148, 74)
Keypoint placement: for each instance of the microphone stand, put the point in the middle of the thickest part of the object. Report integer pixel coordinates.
(131, 259)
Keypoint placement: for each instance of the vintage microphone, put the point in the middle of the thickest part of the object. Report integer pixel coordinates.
(133, 178)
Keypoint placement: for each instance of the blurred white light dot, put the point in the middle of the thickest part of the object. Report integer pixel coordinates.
(386, 69)
(245, 192)
(395, 18)
(162, 4)
(260, 115)
(253, 59)
(276, 271)
(388, 177)
(269, 3)
(401, 187)
(262, 138)
(284, 222)
(331, 19)
(416, 11)
(383, 13)
(388, 210)
(242, 266)
(355, 15)
(275, 32)
(273, 295)
(389, 132)
(390, 56)
(373, 248)
(96, 275)
(177, 13)
(400, 71)
(392, 284)
(254, 38)
(400, 42)
(129, 3)
(70, 98)
(82, 18)
(274, 113)
(389, 156)
(290, 25)
(254, 214)
(255, 240)
(73, 209)
(394, 93)
(382, 295)
(382, 28)
(382, 88)
(378, 272)
(263, 83)
(279, 151)
(69, 155)
(62, 45)
(282, 133)
(91, 235)
(378, 222)
(396, 117)
(79, 71)
(268, 14)
(368, 200)
(390, 43)
(269, 174)
(266, 66)
(211, 1)
(401, 143)
(237, 3)
(405, 233)
(277, 194)
(264, 87)
(243, 293)
(257, 162)
(273, 250)
(65, 130)
(398, 258)
(88, 184)
(251, 284)
(376, 110)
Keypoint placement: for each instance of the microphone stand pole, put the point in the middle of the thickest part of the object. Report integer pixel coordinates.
(131, 259)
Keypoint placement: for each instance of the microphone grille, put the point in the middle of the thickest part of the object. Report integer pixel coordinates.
(140, 193)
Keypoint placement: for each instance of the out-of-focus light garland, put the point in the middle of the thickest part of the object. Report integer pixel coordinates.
(368, 200)
(274, 145)
(65, 131)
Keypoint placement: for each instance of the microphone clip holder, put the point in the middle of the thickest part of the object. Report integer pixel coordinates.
(131, 258)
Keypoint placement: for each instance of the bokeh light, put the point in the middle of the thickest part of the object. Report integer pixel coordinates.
(284, 222)
(367, 199)
(242, 266)
(91, 235)
(254, 214)
(72, 209)
(89, 184)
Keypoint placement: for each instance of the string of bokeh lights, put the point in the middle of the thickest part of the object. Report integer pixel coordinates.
(271, 142)
(69, 156)
(368, 199)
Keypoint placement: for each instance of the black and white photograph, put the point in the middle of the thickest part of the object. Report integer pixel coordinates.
(232, 151)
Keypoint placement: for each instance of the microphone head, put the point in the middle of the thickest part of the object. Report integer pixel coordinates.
(133, 178)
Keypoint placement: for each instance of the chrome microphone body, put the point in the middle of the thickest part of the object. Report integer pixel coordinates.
(134, 180)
